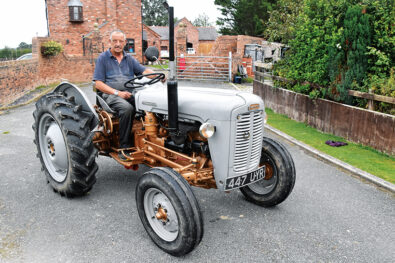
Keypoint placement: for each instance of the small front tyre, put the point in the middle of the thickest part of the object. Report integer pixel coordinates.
(169, 211)
(279, 176)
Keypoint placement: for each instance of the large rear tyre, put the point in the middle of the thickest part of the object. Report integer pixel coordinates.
(279, 176)
(169, 211)
(64, 144)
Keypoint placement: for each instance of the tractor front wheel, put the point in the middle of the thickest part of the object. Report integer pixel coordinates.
(279, 176)
(169, 211)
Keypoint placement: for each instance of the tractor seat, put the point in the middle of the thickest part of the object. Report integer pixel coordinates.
(103, 104)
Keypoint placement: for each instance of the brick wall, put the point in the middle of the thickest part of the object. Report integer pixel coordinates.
(109, 14)
(184, 26)
(63, 66)
(235, 44)
(223, 45)
(17, 77)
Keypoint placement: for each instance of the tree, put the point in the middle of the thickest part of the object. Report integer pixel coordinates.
(244, 17)
(351, 60)
(6, 52)
(23, 45)
(282, 21)
(154, 13)
(202, 20)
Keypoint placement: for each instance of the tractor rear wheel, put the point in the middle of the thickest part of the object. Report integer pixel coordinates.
(279, 176)
(169, 211)
(64, 144)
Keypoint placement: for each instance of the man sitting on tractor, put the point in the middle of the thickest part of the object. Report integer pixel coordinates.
(113, 68)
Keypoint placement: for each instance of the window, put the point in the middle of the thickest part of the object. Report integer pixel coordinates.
(75, 11)
(129, 47)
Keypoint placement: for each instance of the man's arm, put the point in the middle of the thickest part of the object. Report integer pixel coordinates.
(148, 71)
(103, 87)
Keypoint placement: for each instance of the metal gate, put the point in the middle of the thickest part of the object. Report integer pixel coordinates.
(204, 68)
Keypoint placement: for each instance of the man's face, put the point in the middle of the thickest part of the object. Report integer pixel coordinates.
(117, 42)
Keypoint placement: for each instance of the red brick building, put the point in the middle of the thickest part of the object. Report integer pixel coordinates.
(188, 38)
(72, 23)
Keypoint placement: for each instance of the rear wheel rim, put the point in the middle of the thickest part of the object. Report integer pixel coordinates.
(266, 185)
(53, 148)
(161, 214)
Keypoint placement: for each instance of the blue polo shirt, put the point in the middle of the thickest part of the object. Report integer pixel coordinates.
(115, 74)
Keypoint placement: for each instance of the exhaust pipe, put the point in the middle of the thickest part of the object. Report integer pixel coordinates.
(172, 93)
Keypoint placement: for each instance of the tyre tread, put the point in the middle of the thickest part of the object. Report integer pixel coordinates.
(78, 137)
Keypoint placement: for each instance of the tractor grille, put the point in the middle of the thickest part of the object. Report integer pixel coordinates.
(249, 129)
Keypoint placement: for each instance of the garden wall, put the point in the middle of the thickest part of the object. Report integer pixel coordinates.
(370, 128)
(19, 77)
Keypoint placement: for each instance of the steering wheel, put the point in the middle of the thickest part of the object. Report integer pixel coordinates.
(132, 84)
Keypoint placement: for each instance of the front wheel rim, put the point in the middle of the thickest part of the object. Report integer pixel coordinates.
(53, 148)
(266, 185)
(161, 214)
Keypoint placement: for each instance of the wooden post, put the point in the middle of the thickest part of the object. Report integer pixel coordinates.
(371, 101)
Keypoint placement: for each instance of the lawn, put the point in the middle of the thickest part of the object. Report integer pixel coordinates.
(165, 66)
(362, 157)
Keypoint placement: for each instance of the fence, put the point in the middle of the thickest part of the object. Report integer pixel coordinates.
(204, 68)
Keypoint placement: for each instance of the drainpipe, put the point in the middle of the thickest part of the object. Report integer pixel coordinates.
(46, 14)
(142, 33)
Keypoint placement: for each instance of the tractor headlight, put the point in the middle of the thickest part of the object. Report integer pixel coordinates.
(207, 130)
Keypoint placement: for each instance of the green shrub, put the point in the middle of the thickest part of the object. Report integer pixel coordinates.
(314, 94)
(301, 88)
(248, 80)
(51, 48)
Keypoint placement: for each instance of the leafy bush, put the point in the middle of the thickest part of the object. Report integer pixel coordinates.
(51, 48)
(340, 45)
(348, 63)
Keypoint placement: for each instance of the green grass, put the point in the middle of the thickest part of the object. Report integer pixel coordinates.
(248, 80)
(41, 87)
(362, 157)
(158, 66)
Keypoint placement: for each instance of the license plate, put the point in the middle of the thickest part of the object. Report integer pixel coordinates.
(242, 180)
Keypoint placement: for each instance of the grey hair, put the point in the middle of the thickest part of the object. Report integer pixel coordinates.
(117, 31)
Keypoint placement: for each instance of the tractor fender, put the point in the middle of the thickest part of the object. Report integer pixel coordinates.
(71, 90)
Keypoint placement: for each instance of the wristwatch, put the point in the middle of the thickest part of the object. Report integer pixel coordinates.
(116, 93)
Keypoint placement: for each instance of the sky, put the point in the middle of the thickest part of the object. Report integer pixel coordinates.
(20, 20)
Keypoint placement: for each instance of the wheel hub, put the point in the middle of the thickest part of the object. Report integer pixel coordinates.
(268, 171)
(161, 214)
(268, 183)
(53, 148)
